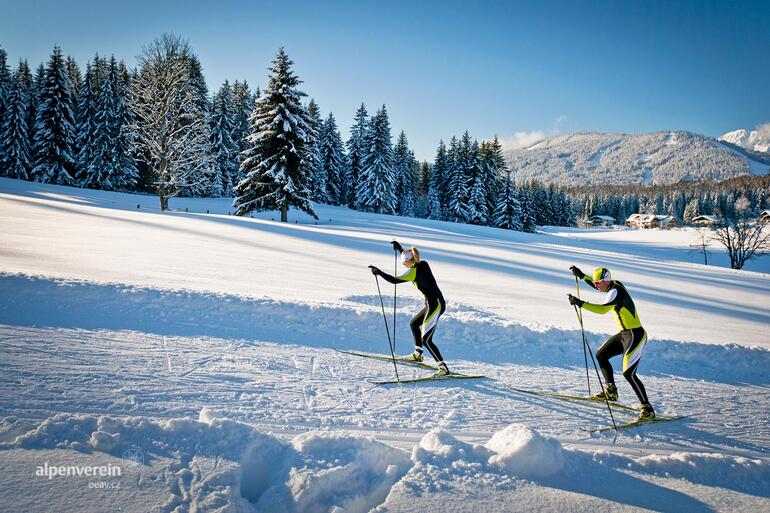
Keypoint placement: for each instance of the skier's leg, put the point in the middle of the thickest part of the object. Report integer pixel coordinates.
(631, 357)
(612, 347)
(429, 328)
(415, 324)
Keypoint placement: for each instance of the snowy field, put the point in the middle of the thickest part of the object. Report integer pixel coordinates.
(193, 349)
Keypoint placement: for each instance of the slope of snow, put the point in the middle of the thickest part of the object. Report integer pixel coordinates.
(194, 351)
(753, 140)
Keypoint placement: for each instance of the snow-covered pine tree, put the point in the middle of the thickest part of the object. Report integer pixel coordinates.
(312, 160)
(477, 212)
(74, 79)
(356, 153)
(422, 171)
(495, 166)
(436, 183)
(85, 130)
(333, 160)
(455, 208)
(691, 211)
(55, 126)
(110, 166)
(280, 129)
(376, 187)
(243, 106)
(15, 160)
(125, 150)
(206, 181)
(171, 131)
(198, 83)
(5, 89)
(403, 160)
(507, 212)
(224, 148)
(38, 83)
(526, 201)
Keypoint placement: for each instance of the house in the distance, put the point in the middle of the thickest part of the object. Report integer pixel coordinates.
(764, 216)
(651, 221)
(706, 220)
(601, 220)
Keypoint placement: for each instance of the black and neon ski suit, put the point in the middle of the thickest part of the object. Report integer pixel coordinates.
(423, 324)
(629, 342)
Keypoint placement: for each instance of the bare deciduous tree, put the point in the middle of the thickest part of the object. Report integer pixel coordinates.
(171, 129)
(742, 234)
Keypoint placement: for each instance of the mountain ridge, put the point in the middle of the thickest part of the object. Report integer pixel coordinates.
(657, 158)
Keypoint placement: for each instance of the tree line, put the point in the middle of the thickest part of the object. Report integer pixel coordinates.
(157, 129)
(743, 195)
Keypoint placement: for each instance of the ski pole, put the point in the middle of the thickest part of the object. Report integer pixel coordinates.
(601, 383)
(384, 318)
(395, 287)
(585, 355)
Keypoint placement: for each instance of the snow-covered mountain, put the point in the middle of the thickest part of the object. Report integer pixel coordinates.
(754, 140)
(587, 158)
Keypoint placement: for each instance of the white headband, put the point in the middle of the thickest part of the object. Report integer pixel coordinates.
(407, 255)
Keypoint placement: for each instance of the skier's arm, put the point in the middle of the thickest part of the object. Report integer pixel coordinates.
(607, 306)
(396, 246)
(408, 276)
(583, 276)
(589, 281)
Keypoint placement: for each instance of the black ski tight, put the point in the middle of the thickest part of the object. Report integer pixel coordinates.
(629, 343)
(424, 325)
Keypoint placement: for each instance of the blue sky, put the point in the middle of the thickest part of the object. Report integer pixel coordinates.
(502, 68)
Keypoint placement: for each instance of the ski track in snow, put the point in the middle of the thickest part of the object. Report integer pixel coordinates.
(239, 403)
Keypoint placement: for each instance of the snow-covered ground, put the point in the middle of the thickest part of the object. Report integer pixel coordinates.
(194, 351)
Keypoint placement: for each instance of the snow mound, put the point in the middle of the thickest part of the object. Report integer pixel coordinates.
(524, 452)
(246, 469)
(516, 450)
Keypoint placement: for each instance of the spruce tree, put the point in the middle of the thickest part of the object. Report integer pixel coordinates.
(477, 211)
(403, 160)
(507, 212)
(98, 144)
(15, 160)
(224, 148)
(356, 153)
(526, 201)
(333, 161)
(243, 105)
(5, 85)
(436, 183)
(55, 126)
(125, 150)
(311, 160)
(456, 187)
(377, 181)
(280, 129)
(74, 79)
(85, 130)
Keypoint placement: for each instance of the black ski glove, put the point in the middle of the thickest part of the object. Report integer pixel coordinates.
(375, 271)
(577, 272)
(396, 246)
(575, 301)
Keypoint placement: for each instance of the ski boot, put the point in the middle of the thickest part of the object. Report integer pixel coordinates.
(646, 413)
(443, 370)
(610, 393)
(414, 357)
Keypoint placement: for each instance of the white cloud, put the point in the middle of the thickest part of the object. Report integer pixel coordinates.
(522, 140)
(764, 131)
